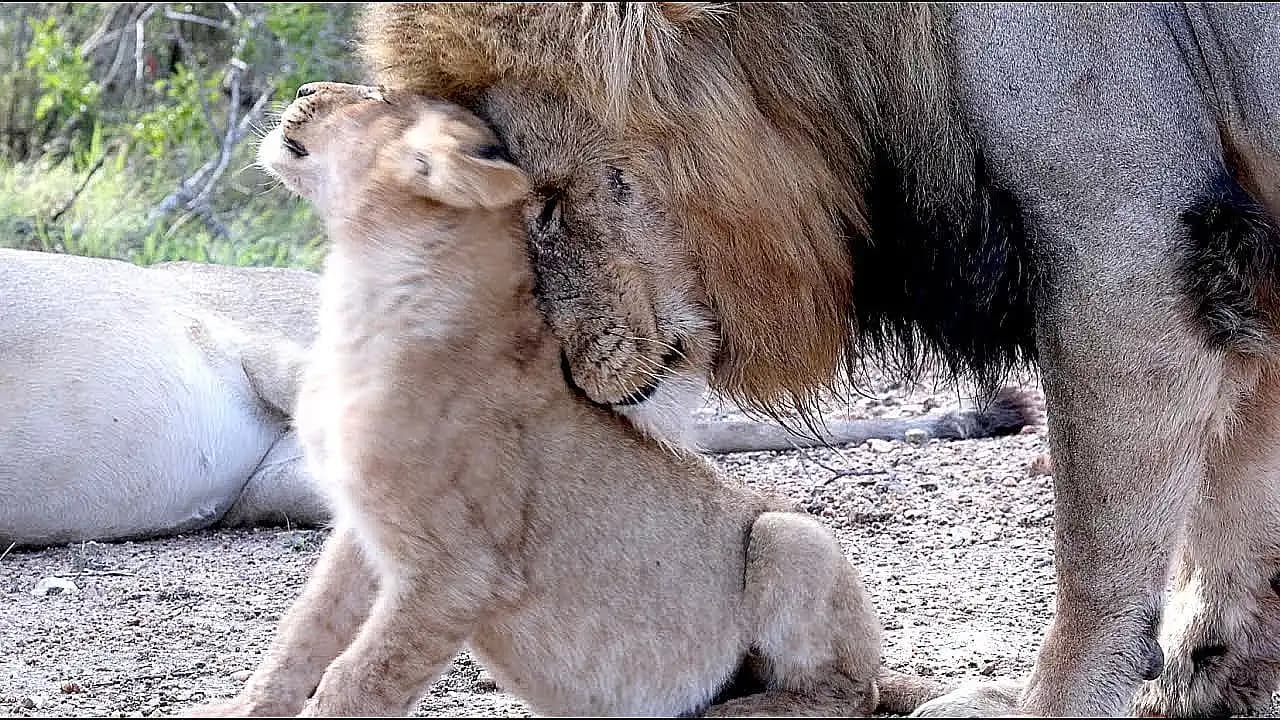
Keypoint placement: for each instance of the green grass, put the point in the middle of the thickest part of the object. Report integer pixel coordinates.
(110, 218)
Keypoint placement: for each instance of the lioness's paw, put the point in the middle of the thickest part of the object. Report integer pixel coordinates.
(986, 699)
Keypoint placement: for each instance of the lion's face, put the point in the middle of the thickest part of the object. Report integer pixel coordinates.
(616, 281)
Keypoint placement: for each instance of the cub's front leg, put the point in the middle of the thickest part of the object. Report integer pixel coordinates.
(319, 625)
(417, 625)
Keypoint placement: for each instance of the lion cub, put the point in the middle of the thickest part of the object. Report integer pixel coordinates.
(479, 502)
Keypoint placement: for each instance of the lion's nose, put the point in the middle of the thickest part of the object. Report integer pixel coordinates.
(308, 89)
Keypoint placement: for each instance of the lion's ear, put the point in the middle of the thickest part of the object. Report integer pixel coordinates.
(443, 170)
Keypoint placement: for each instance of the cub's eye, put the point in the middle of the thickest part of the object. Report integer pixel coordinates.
(493, 152)
(294, 147)
(550, 215)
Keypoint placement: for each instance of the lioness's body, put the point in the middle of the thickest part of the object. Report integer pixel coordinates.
(595, 571)
(763, 192)
(142, 401)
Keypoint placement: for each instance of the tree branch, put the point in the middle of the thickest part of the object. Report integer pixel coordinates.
(139, 27)
(199, 19)
(193, 194)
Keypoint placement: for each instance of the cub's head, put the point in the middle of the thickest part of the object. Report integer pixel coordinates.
(347, 147)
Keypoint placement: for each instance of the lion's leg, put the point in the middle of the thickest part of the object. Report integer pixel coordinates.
(1221, 630)
(283, 490)
(317, 627)
(1135, 400)
(274, 367)
(414, 629)
(815, 634)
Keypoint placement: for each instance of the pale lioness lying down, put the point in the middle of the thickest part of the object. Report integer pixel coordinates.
(139, 402)
(480, 502)
(147, 401)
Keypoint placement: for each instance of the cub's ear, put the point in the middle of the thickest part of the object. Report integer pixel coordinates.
(436, 164)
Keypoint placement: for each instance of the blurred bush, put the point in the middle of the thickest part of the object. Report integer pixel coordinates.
(128, 130)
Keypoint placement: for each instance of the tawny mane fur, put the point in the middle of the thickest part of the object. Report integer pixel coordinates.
(753, 116)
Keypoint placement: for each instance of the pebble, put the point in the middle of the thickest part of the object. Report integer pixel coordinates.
(877, 445)
(917, 437)
(240, 675)
(50, 586)
(32, 702)
(485, 682)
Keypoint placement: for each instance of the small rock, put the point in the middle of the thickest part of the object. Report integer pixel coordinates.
(32, 702)
(485, 681)
(69, 688)
(917, 437)
(877, 445)
(51, 586)
(240, 675)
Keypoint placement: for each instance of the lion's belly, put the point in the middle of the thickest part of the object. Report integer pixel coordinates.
(111, 428)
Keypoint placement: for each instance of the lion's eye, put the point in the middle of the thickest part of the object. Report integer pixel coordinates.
(550, 215)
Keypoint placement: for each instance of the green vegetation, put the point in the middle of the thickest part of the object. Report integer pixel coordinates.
(128, 130)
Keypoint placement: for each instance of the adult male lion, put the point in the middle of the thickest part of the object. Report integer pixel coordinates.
(763, 192)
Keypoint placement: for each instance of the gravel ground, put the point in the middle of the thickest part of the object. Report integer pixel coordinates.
(953, 539)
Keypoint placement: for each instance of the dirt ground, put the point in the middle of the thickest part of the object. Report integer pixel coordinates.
(954, 541)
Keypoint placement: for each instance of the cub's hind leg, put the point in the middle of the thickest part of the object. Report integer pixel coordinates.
(816, 643)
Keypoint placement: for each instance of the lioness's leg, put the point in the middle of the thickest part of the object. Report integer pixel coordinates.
(317, 627)
(412, 633)
(815, 633)
(1221, 630)
(283, 490)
